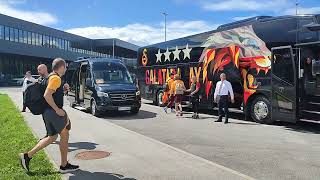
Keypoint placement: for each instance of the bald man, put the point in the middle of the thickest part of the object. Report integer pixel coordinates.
(42, 71)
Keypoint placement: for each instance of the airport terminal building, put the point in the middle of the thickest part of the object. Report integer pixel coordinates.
(24, 45)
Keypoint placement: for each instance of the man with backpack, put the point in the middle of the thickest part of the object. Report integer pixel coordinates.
(178, 91)
(55, 118)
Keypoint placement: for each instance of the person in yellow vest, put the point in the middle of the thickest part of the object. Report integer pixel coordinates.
(171, 98)
(178, 89)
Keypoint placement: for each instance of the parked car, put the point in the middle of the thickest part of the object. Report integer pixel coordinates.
(18, 81)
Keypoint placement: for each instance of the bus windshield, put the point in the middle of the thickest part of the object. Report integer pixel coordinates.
(111, 73)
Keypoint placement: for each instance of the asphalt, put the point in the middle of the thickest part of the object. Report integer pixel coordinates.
(133, 155)
(281, 151)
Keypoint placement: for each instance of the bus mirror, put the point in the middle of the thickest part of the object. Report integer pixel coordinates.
(312, 27)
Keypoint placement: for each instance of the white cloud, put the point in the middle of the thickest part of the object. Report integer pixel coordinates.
(302, 10)
(44, 18)
(142, 34)
(245, 5)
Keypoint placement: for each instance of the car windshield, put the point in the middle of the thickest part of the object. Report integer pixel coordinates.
(111, 73)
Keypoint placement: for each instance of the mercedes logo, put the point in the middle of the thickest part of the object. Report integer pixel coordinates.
(124, 96)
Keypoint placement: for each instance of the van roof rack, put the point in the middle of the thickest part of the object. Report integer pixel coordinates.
(89, 57)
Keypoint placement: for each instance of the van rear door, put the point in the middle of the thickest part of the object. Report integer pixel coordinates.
(72, 79)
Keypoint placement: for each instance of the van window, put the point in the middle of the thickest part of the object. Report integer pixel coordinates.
(111, 73)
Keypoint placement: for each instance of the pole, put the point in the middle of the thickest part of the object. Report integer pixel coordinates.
(165, 26)
(297, 4)
(113, 48)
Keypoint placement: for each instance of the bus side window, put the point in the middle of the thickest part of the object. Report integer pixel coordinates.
(283, 67)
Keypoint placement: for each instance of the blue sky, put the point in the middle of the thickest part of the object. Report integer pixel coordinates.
(141, 21)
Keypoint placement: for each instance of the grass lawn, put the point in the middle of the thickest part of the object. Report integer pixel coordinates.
(16, 137)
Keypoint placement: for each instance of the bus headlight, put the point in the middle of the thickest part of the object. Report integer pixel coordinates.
(102, 94)
(138, 93)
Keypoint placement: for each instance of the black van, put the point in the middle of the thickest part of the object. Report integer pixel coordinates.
(101, 84)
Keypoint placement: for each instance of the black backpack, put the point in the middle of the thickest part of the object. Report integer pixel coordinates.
(34, 99)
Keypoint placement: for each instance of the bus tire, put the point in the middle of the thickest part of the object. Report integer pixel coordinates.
(159, 98)
(260, 110)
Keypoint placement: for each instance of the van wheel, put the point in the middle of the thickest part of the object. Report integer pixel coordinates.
(260, 110)
(94, 110)
(159, 98)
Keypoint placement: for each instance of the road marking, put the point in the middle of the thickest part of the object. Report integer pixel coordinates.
(184, 152)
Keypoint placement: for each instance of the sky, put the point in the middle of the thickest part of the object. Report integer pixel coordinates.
(142, 21)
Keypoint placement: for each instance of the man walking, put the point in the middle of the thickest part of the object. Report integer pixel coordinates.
(221, 96)
(169, 88)
(178, 91)
(28, 79)
(55, 118)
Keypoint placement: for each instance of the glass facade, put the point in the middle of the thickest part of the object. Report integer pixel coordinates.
(1, 32)
(6, 33)
(33, 38)
(21, 36)
(11, 34)
(13, 65)
(29, 37)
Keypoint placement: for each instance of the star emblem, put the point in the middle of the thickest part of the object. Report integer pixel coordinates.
(158, 56)
(176, 54)
(186, 52)
(167, 55)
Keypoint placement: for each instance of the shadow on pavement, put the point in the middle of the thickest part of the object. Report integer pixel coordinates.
(128, 116)
(85, 175)
(301, 126)
(81, 146)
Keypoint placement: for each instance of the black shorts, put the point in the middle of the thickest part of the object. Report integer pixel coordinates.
(55, 123)
(178, 98)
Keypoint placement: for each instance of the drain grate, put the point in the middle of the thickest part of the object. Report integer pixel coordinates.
(89, 155)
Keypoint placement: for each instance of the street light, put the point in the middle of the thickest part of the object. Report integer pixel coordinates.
(297, 4)
(165, 26)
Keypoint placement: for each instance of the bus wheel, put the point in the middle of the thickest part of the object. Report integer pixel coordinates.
(261, 110)
(159, 98)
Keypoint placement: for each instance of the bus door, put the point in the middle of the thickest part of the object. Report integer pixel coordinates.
(283, 85)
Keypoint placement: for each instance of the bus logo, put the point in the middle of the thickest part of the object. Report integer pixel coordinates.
(144, 59)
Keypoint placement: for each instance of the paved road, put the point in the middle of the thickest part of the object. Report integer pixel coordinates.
(281, 151)
(133, 156)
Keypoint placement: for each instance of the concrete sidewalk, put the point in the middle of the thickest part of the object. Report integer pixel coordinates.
(134, 156)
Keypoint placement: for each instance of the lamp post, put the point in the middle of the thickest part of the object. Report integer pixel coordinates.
(297, 4)
(165, 26)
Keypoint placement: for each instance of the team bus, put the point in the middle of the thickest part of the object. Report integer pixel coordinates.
(272, 63)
